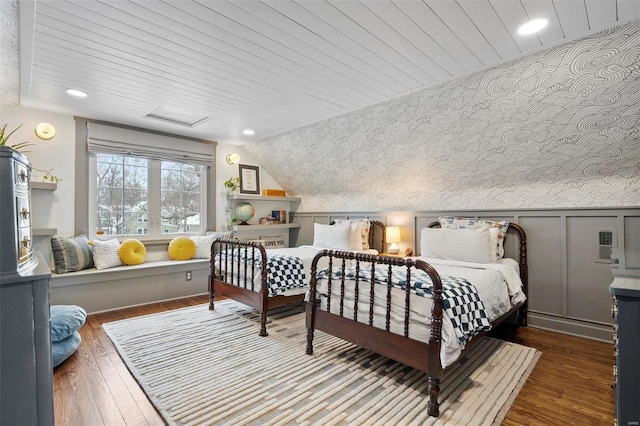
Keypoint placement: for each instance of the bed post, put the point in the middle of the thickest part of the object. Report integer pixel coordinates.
(434, 366)
(311, 304)
(524, 271)
(212, 271)
(264, 291)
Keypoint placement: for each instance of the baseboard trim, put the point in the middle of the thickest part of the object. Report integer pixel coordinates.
(603, 333)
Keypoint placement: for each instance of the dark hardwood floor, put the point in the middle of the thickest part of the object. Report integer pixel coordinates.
(570, 385)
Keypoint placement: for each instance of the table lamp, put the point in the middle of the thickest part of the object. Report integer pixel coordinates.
(393, 237)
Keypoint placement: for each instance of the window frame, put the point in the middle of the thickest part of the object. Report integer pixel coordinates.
(154, 221)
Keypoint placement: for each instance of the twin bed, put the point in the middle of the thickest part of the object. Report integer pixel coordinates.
(248, 273)
(422, 312)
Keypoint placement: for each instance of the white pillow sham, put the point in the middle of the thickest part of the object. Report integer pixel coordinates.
(365, 228)
(452, 222)
(105, 253)
(203, 245)
(467, 245)
(337, 237)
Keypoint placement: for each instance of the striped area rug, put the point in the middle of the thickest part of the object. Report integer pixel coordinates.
(201, 367)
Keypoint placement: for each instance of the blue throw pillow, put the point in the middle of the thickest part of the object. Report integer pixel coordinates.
(64, 348)
(66, 320)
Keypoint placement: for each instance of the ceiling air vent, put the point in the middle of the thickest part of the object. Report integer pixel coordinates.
(606, 242)
(176, 116)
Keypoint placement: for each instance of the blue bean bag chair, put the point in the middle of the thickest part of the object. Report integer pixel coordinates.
(66, 320)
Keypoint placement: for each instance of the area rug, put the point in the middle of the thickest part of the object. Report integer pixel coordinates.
(201, 367)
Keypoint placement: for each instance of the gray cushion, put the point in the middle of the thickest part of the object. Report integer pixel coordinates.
(71, 254)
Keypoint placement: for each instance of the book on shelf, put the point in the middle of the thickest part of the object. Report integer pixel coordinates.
(279, 215)
(274, 193)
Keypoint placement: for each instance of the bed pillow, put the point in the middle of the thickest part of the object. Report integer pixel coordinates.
(364, 231)
(452, 222)
(227, 235)
(182, 248)
(337, 237)
(356, 234)
(467, 245)
(132, 252)
(105, 253)
(272, 241)
(71, 254)
(203, 245)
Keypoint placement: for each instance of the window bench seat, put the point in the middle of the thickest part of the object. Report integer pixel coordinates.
(98, 290)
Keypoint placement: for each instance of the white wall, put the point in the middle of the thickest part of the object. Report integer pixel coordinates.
(49, 209)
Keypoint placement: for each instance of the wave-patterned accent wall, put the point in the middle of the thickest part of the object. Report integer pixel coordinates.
(9, 46)
(558, 128)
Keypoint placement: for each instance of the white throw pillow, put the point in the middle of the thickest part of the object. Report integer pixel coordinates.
(203, 246)
(337, 237)
(272, 241)
(365, 227)
(468, 245)
(452, 222)
(105, 253)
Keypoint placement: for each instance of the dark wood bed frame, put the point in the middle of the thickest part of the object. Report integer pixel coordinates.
(236, 279)
(420, 355)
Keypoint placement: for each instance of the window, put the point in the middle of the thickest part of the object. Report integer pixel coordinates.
(139, 196)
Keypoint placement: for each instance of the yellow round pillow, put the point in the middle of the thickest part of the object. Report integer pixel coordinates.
(132, 252)
(182, 248)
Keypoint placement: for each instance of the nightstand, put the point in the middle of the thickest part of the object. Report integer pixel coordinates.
(393, 255)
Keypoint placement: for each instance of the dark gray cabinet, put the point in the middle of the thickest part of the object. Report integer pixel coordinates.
(626, 314)
(26, 372)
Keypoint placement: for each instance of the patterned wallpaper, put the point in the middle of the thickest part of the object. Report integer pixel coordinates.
(559, 128)
(9, 46)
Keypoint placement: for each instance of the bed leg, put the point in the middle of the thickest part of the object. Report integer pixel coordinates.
(433, 408)
(211, 293)
(263, 324)
(309, 341)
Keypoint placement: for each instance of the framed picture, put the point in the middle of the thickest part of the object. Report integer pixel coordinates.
(249, 179)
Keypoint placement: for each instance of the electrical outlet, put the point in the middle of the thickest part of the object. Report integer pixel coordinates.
(188, 275)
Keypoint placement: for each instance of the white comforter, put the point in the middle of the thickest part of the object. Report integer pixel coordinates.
(494, 283)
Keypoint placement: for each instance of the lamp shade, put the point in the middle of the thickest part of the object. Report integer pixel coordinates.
(393, 234)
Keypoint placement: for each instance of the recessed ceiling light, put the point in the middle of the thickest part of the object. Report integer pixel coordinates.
(248, 132)
(78, 93)
(533, 26)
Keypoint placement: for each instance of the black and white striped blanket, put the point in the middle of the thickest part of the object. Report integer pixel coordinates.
(460, 298)
(284, 272)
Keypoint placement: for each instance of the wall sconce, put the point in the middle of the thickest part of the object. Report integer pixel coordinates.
(233, 158)
(393, 237)
(45, 131)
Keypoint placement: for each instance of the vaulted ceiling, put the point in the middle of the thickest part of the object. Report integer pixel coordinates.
(269, 66)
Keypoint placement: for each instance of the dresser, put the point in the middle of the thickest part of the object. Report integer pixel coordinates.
(625, 290)
(26, 381)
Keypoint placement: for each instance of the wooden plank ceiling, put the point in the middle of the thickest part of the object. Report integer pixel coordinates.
(272, 66)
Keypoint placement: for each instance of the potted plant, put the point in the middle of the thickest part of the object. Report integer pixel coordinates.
(4, 138)
(232, 184)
